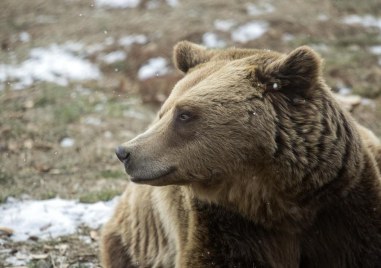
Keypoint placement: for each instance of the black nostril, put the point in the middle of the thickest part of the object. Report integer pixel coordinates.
(122, 153)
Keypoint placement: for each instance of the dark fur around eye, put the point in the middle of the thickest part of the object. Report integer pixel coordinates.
(184, 117)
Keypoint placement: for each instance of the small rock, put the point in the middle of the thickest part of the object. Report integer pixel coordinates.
(55, 171)
(5, 230)
(29, 104)
(33, 238)
(39, 256)
(28, 144)
(62, 248)
(67, 142)
(94, 235)
(42, 167)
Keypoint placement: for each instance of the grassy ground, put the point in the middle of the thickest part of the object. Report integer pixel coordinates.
(99, 115)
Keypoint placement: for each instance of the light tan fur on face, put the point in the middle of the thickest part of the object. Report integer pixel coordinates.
(266, 141)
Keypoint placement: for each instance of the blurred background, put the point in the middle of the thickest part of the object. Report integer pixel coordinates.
(79, 77)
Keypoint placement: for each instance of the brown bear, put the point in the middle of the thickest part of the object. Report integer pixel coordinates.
(251, 162)
(372, 142)
(369, 138)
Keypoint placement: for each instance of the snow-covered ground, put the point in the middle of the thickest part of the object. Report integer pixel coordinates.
(114, 56)
(375, 49)
(65, 63)
(154, 67)
(56, 64)
(67, 142)
(249, 31)
(24, 37)
(212, 40)
(224, 25)
(133, 3)
(52, 218)
(128, 40)
(366, 21)
(259, 8)
(117, 3)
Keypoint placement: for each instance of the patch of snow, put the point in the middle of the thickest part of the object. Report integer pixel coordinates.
(67, 142)
(154, 67)
(259, 9)
(114, 56)
(94, 121)
(117, 3)
(172, 3)
(224, 25)
(212, 40)
(107, 134)
(152, 4)
(133, 39)
(94, 48)
(249, 31)
(366, 21)
(3, 74)
(52, 218)
(24, 37)
(55, 64)
(45, 19)
(344, 91)
(375, 50)
(82, 90)
(322, 17)
(134, 114)
(19, 259)
(287, 37)
(85, 239)
(73, 47)
(368, 102)
(320, 47)
(88, 265)
(99, 107)
(109, 41)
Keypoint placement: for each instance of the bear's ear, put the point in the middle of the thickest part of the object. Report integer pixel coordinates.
(187, 55)
(294, 73)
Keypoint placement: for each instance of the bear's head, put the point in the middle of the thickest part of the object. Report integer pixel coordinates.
(242, 122)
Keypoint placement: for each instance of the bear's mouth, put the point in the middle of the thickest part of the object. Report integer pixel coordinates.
(158, 178)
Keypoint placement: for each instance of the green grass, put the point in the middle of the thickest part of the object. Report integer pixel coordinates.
(69, 113)
(112, 174)
(103, 195)
(48, 195)
(50, 94)
(4, 194)
(5, 178)
(3, 198)
(115, 109)
(358, 7)
(81, 265)
(32, 264)
(65, 108)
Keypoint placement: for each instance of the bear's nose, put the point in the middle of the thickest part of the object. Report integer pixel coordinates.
(122, 154)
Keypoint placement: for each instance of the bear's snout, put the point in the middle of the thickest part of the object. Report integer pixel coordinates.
(122, 154)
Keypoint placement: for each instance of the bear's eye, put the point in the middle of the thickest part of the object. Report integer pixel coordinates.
(184, 117)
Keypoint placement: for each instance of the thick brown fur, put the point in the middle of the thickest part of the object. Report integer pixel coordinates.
(372, 142)
(251, 162)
